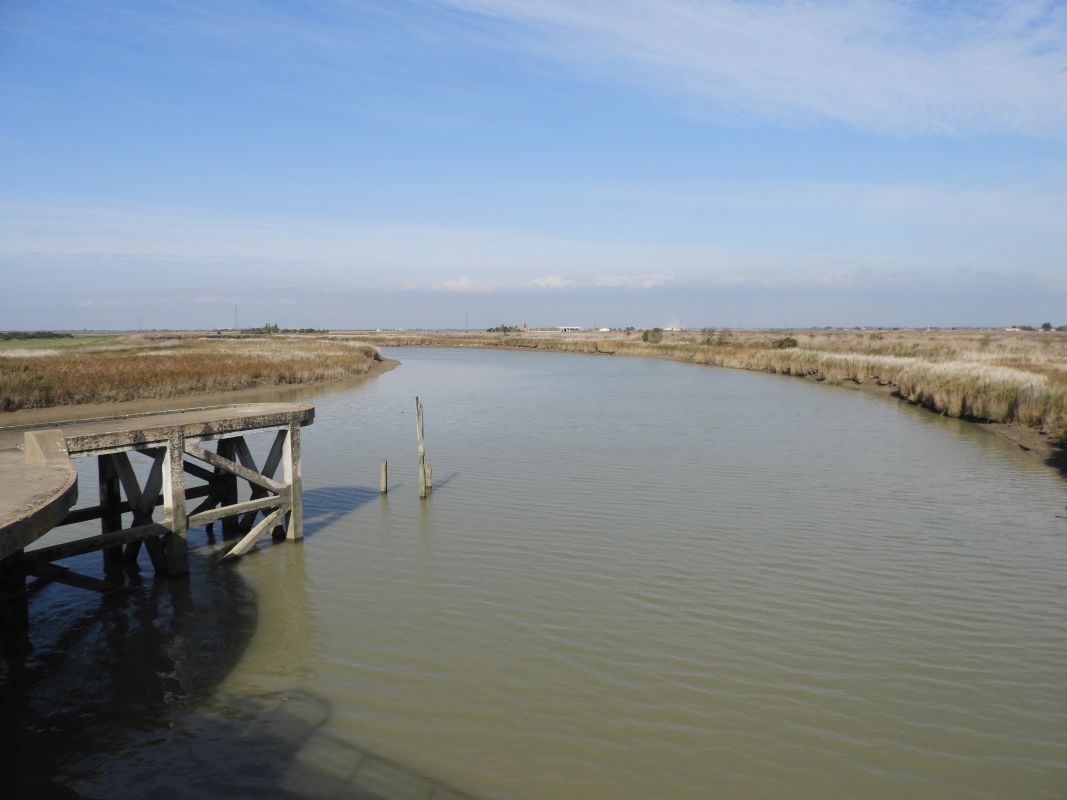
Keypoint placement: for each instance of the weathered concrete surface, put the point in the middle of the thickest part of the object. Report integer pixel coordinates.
(38, 485)
(33, 498)
(91, 437)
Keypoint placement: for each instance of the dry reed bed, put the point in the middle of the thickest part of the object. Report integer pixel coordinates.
(192, 367)
(979, 375)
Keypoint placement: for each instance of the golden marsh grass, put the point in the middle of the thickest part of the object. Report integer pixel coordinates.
(996, 376)
(147, 369)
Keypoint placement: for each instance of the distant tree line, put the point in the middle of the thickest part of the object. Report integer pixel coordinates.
(504, 329)
(7, 336)
(1045, 326)
(272, 327)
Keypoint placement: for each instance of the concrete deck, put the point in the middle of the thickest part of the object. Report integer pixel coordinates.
(33, 500)
(38, 484)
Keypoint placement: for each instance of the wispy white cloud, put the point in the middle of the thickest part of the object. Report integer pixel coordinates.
(601, 282)
(466, 284)
(461, 285)
(902, 67)
(806, 230)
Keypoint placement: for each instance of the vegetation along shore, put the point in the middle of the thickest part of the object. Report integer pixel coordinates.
(1016, 380)
(111, 369)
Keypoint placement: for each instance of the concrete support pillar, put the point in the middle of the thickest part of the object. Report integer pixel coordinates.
(294, 525)
(177, 545)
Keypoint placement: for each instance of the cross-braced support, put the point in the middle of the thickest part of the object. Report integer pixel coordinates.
(176, 444)
(275, 500)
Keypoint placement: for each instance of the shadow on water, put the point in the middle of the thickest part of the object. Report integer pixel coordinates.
(440, 483)
(327, 505)
(1058, 459)
(91, 671)
(122, 697)
(264, 747)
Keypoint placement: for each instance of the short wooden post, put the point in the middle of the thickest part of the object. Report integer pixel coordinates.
(176, 547)
(429, 475)
(294, 524)
(383, 482)
(110, 508)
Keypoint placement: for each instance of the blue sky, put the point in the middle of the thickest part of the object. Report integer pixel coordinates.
(423, 164)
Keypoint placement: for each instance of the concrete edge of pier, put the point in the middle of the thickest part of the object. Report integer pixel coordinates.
(36, 498)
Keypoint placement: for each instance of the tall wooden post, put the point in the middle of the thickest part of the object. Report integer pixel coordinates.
(294, 525)
(383, 481)
(111, 509)
(177, 544)
(423, 483)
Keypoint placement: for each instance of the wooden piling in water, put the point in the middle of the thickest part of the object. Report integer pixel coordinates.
(14, 602)
(225, 485)
(110, 509)
(383, 482)
(291, 476)
(423, 487)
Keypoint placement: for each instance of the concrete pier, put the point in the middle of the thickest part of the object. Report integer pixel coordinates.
(39, 487)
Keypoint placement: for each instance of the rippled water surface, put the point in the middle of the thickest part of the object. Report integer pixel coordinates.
(642, 579)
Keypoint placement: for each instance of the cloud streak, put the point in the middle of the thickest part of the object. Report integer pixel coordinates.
(898, 67)
(559, 282)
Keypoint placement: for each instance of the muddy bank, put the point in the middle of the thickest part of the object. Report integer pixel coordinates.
(1035, 444)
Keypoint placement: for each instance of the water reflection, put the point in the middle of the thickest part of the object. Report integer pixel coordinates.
(92, 674)
(264, 747)
(136, 694)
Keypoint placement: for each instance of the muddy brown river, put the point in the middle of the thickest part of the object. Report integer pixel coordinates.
(633, 579)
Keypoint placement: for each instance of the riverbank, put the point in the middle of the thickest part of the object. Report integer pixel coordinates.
(140, 373)
(1013, 382)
